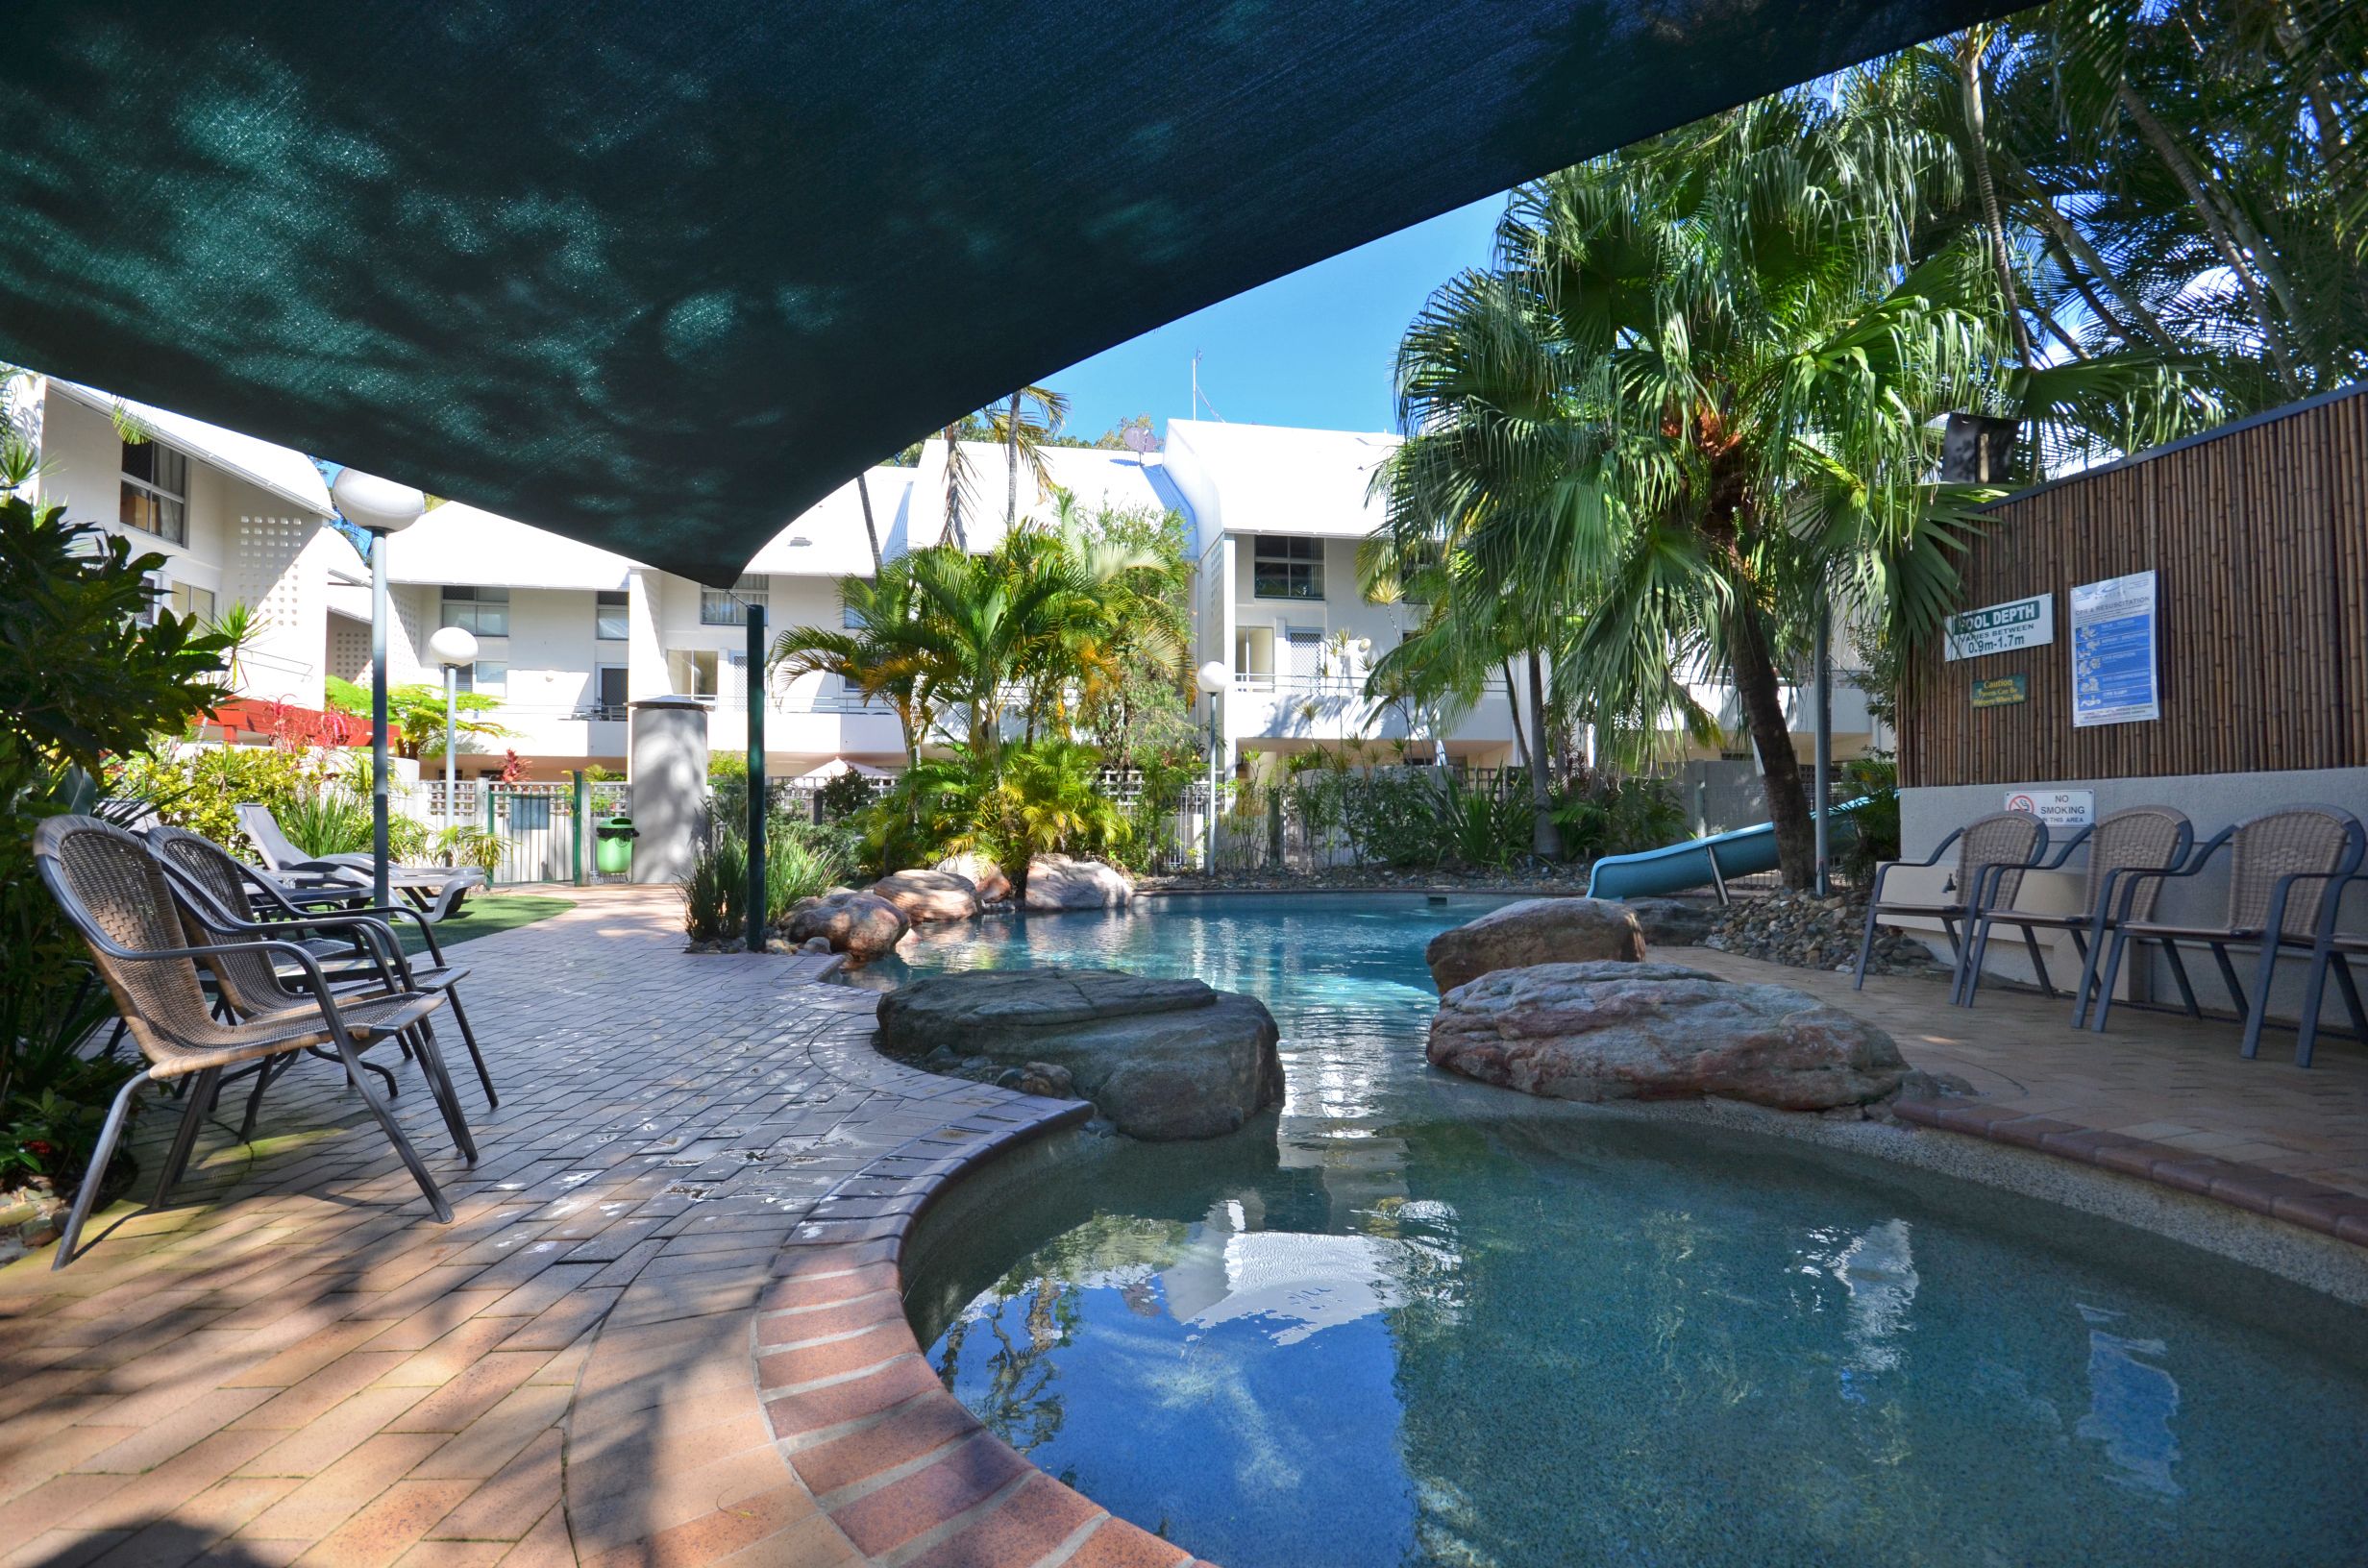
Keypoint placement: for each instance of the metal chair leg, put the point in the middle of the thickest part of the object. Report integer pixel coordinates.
(1866, 945)
(195, 1105)
(87, 1196)
(2105, 985)
(409, 1156)
(447, 1097)
(468, 1038)
(2178, 975)
(2236, 986)
(2038, 961)
(2257, 1014)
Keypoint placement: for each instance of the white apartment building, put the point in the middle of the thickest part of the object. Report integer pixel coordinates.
(237, 521)
(569, 635)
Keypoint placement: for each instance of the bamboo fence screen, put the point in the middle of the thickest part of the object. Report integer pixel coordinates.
(2258, 535)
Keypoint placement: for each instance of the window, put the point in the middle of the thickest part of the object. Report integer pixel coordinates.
(693, 672)
(155, 491)
(487, 676)
(484, 611)
(1286, 568)
(728, 606)
(611, 618)
(192, 603)
(608, 692)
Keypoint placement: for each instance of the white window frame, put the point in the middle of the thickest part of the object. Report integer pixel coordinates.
(174, 503)
(604, 602)
(1291, 555)
(728, 606)
(467, 606)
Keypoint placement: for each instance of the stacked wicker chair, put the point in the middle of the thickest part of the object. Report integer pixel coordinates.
(276, 998)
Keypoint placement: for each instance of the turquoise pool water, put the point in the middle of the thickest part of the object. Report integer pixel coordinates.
(1416, 1320)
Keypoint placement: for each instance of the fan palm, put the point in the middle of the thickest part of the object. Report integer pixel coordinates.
(1698, 400)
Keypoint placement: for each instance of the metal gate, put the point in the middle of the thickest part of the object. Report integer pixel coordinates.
(542, 838)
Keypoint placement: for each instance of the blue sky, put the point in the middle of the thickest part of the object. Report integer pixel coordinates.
(1313, 348)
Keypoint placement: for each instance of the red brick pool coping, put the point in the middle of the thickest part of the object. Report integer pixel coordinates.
(800, 1423)
(2312, 1205)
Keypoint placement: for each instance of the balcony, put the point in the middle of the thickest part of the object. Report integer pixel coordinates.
(1333, 707)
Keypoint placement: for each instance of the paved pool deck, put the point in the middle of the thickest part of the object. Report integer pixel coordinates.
(666, 1327)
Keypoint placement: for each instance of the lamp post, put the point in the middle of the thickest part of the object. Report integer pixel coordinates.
(1213, 679)
(380, 507)
(452, 648)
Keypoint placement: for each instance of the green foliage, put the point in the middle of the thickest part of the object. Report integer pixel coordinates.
(1608, 814)
(328, 821)
(1049, 802)
(715, 894)
(1873, 835)
(200, 787)
(81, 679)
(797, 866)
(418, 711)
(843, 796)
(463, 845)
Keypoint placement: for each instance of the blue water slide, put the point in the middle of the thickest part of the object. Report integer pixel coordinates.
(1696, 862)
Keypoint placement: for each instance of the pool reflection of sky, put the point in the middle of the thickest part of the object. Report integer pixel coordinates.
(1411, 1321)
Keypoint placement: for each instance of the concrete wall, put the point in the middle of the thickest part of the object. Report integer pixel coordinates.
(2211, 802)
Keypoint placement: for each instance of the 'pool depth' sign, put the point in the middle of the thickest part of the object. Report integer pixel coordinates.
(1995, 628)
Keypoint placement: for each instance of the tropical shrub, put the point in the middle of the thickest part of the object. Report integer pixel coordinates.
(715, 894)
(1049, 802)
(1873, 829)
(329, 819)
(83, 676)
(843, 796)
(201, 788)
(1611, 813)
(460, 844)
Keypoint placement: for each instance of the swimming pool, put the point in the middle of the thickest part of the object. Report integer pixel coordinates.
(1418, 1320)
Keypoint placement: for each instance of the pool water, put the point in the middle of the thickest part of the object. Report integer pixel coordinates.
(1416, 1320)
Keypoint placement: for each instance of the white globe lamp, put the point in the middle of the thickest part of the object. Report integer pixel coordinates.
(379, 506)
(454, 647)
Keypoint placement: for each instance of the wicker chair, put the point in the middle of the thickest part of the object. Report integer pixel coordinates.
(2006, 842)
(2281, 870)
(233, 893)
(2141, 839)
(116, 896)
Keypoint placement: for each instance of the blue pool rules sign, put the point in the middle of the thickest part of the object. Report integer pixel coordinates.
(2116, 667)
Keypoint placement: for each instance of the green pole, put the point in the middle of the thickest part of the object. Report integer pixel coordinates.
(755, 694)
(583, 808)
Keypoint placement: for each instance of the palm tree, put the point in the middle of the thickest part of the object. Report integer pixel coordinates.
(877, 652)
(1697, 400)
(1025, 436)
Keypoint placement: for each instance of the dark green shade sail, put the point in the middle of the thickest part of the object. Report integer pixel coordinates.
(659, 276)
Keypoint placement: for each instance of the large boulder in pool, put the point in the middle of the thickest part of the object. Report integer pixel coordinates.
(1616, 1031)
(992, 885)
(1058, 882)
(1533, 931)
(1164, 1059)
(929, 895)
(862, 925)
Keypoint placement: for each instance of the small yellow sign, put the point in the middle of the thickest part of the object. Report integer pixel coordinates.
(2000, 691)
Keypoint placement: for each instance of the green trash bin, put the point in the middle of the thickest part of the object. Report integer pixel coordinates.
(612, 848)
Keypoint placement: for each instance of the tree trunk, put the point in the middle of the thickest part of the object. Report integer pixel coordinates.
(953, 494)
(1521, 731)
(1546, 838)
(871, 530)
(1011, 466)
(1760, 690)
(1970, 68)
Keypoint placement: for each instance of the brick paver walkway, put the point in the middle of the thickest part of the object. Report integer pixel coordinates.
(664, 1327)
(2160, 1094)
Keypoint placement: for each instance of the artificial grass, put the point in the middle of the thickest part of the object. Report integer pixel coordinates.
(484, 913)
